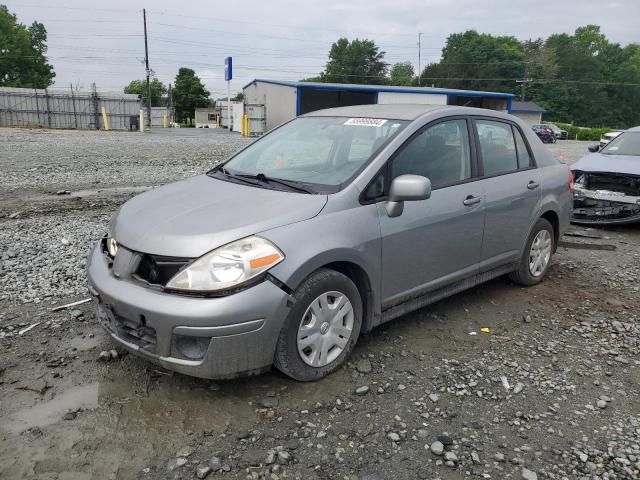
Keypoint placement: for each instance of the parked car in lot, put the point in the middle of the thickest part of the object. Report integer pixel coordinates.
(544, 133)
(607, 137)
(607, 182)
(559, 133)
(334, 223)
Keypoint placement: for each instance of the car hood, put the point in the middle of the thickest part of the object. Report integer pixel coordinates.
(192, 217)
(597, 162)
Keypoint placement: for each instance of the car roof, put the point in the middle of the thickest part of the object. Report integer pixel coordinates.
(400, 111)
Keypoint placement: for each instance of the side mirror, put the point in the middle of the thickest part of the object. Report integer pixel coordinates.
(594, 148)
(407, 188)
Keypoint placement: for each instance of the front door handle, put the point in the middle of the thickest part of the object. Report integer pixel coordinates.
(471, 200)
(532, 185)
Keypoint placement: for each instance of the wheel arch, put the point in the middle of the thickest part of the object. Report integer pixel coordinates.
(353, 268)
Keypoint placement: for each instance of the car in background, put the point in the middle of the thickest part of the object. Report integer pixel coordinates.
(544, 133)
(322, 229)
(607, 137)
(607, 182)
(557, 131)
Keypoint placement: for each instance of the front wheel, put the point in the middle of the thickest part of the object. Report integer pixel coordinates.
(536, 256)
(322, 327)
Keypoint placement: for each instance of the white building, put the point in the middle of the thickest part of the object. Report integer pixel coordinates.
(284, 100)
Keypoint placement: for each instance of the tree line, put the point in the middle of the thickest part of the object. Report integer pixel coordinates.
(580, 78)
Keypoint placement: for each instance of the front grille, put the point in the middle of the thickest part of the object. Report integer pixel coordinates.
(158, 270)
(138, 333)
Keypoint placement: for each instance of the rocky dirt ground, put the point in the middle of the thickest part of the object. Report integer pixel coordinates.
(549, 390)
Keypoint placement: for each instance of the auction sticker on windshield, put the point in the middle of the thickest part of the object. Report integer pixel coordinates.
(366, 122)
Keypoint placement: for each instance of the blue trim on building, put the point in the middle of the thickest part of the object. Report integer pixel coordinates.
(298, 103)
(382, 88)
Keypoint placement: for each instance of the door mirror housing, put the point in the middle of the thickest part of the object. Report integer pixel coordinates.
(407, 188)
(594, 148)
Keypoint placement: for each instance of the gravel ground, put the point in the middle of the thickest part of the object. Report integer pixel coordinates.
(550, 392)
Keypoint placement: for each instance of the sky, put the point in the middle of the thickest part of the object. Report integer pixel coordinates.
(103, 42)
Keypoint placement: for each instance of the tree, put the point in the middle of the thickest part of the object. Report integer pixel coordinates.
(188, 94)
(23, 61)
(358, 61)
(238, 98)
(139, 87)
(401, 74)
(581, 77)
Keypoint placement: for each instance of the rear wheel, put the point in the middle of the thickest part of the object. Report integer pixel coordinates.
(322, 327)
(536, 256)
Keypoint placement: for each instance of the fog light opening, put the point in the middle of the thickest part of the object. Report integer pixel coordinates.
(192, 348)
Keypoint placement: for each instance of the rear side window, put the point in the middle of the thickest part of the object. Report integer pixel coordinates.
(524, 159)
(497, 147)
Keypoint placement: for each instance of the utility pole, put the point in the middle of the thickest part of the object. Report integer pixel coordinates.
(524, 82)
(419, 62)
(146, 61)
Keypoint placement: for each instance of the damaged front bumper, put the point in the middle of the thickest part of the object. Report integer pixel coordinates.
(221, 337)
(604, 207)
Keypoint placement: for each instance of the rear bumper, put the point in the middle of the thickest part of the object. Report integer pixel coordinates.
(236, 334)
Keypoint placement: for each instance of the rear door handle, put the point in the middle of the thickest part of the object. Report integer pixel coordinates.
(471, 200)
(532, 185)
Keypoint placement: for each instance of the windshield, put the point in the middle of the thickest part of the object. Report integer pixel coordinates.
(627, 143)
(322, 153)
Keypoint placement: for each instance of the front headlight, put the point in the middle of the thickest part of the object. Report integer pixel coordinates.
(112, 247)
(228, 266)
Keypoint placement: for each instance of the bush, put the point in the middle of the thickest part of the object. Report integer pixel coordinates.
(580, 133)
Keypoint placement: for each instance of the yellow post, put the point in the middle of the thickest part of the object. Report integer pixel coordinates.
(141, 120)
(105, 118)
(164, 119)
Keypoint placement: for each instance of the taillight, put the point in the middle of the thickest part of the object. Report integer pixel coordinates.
(570, 181)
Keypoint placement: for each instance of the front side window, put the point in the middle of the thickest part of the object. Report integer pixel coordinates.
(322, 153)
(440, 153)
(497, 147)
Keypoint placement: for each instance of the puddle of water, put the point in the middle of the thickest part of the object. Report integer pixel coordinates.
(49, 412)
(107, 191)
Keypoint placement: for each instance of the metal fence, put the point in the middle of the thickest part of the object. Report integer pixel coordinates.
(60, 108)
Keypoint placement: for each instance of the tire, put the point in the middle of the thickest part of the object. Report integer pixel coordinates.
(524, 275)
(324, 292)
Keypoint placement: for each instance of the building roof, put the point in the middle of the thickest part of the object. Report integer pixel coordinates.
(526, 107)
(381, 88)
(400, 111)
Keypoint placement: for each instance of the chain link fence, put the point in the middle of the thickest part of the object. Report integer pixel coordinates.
(60, 108)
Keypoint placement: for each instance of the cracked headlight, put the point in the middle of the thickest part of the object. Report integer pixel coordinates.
(228, 266)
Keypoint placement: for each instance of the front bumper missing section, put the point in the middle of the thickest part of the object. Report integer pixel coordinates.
(604, 207)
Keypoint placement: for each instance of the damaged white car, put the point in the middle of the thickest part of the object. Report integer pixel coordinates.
(607, 183)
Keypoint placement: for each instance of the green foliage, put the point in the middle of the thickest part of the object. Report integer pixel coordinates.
(401, 74)
(23, 61)
(189, 93)
(358, 61)
(139, 87)
(238, 97)
(578, 133)
(581, 78)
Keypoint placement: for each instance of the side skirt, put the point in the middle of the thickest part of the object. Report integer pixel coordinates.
(431, 297)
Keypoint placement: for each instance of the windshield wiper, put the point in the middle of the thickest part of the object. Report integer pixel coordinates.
(261, 177)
